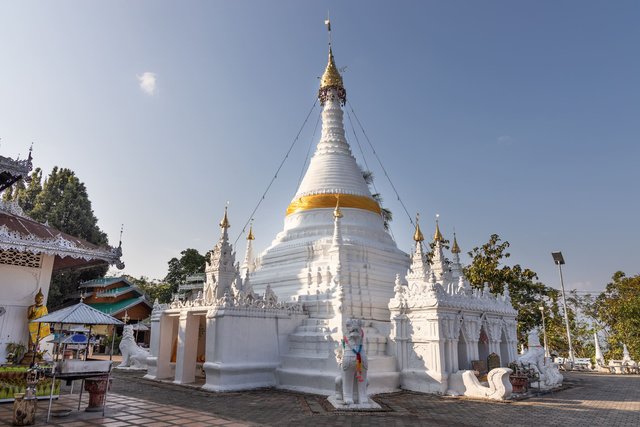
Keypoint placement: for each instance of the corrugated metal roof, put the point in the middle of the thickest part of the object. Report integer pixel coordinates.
(79, 314)
(103, 282)
(119, 306)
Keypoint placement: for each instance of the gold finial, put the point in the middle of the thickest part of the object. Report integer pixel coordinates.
(418, 236)
(455, 249)
(331, 79)
(437, 237)
(225, 221)
(337, 213)
(250, 236)
(331, 76)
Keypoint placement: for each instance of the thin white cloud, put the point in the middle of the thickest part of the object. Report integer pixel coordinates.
(148, 82)
(505, 140)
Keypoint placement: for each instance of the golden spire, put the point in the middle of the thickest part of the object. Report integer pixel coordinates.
(455, 249)
(337, 213)
(418, 236)
(331, 79)
(437, 237)
(225, 221)
(331, 76)
(250, 235)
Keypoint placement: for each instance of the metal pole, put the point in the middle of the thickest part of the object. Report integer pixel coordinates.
(566, 316)
(113, 340)
(544, 333)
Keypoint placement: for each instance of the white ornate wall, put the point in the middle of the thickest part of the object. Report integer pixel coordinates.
(21, 276)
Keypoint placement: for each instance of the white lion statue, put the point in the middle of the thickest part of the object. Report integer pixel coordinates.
(351, 386)
(133, 356)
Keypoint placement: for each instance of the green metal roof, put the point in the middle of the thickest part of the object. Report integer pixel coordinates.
(104, 281)
(116, 307)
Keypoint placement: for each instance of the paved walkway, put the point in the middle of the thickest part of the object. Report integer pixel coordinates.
(590, 400)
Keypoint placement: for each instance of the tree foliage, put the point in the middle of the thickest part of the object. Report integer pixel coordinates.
(190, 262)
(153, 288)
(387, 215)
(526, 293)
(61, 201)
(619, 310)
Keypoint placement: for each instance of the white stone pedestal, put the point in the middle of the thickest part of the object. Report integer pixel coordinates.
(371, 405)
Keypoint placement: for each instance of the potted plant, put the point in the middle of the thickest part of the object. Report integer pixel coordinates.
(15, 352)
(519, 378)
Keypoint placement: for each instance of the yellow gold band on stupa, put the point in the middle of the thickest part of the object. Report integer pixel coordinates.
(320, 201)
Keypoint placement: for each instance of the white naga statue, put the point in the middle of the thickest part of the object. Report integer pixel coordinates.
(351, 385)
(133, 356)
(550, 376)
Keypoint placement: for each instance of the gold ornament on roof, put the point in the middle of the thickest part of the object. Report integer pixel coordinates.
(437, 237)
(250, 236)
(331, 76)
(331, 85)
(418, 236)
(337, 213)
(455, 249)
(225, 221)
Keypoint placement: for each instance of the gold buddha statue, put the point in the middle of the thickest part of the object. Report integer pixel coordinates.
(37, 331)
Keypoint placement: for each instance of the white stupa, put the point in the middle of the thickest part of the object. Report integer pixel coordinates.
(300, 261)
(334, 256)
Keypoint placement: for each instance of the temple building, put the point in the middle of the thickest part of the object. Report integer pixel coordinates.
(117, 297)
(29, 253)
(277, 318)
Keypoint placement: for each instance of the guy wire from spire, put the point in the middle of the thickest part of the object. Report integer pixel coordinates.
(380, 162)
(277, 171)
(306, 159)
(364, 159)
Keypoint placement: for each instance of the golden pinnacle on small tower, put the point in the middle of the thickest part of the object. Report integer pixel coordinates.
(250, 236)
(437, 236)
(418, 236)
(455, 249)
(225, 220)
(337, 213)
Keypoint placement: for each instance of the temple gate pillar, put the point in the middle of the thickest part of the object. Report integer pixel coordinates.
(188, 327)
(168, 325)
(154, 343)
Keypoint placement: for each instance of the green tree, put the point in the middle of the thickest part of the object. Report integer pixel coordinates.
(387, 215)
(62, 202)
(618, 307)
(190, 262)
(580, 323)
(65, 205)
(526, 294)
(152, 288)
(26, 195)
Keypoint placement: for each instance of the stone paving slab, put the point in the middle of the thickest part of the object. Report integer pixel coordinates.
(590, 400)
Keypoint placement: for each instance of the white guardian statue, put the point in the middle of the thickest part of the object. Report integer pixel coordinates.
(351, 384)
(549, 374)
(133, 356)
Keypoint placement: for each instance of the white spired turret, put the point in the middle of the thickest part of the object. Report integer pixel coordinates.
(299, 261)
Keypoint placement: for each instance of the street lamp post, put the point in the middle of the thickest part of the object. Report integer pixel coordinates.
(544, 332)
(559, 260)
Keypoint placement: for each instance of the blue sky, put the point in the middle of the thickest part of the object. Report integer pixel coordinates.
(508, 117)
